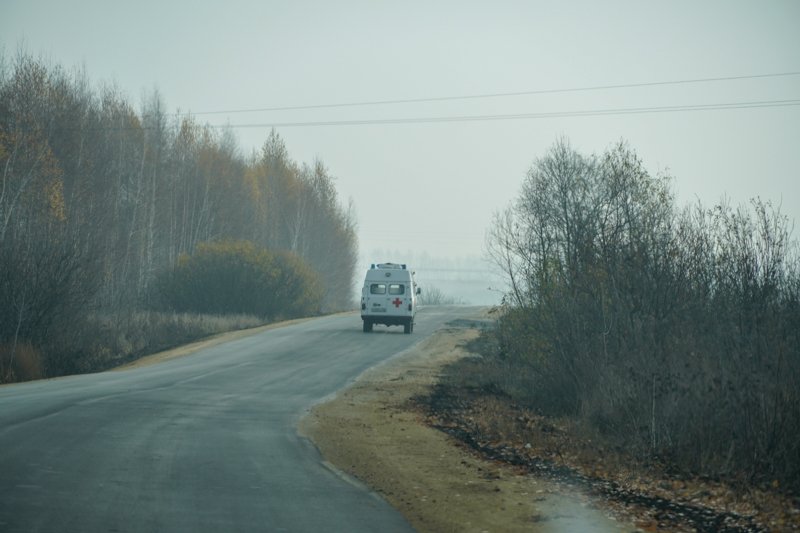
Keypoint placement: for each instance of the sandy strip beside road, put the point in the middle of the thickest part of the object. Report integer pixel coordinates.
(371, 432)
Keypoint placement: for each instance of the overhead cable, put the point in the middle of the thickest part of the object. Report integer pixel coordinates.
(496, 95)
(521, 116)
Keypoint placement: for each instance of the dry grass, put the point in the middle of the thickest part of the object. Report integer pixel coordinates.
(122, 339)
(103, 341)
(20, 362)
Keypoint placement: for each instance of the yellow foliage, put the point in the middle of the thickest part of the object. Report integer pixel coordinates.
(4, 142)
(251, 180)
(54, 192)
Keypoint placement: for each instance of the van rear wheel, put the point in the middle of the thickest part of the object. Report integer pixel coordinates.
(367, 326)
(408, 327)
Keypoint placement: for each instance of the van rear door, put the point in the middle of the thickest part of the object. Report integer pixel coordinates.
(377, 299)
(397, 298)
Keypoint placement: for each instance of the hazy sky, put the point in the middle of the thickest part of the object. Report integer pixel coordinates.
(432, 187)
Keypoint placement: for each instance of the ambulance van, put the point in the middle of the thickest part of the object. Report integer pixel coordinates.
(389, 297)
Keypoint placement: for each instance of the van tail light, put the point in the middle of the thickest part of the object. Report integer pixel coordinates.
(409, 307)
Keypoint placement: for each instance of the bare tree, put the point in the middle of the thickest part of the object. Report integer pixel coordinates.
(659, 325)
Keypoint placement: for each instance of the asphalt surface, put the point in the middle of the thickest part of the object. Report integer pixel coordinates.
(205, 442)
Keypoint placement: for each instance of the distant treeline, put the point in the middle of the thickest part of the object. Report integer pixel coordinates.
(97, 200)
(672, 332)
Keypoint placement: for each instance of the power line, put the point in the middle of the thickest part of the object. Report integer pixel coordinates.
(481, 118)
(523, 116)
(497, 95)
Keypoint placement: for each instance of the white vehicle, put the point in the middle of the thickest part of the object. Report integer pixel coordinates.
(389, 297)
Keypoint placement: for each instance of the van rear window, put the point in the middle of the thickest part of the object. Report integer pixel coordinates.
(377, 288)
(396, 288)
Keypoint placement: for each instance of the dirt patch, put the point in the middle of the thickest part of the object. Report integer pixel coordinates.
(374, 432)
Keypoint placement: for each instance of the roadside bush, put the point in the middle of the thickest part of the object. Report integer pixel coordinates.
(240, 278)
(674, 333)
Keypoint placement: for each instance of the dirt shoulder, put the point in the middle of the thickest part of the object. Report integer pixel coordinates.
(372, 431)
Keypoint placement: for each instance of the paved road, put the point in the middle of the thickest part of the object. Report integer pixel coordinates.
(206, 442)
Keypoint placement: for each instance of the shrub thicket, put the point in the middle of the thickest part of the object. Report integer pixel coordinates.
(675, 333)
(237, 277)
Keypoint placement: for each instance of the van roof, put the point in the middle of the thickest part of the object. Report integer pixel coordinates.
(389, 272)
(384, 266)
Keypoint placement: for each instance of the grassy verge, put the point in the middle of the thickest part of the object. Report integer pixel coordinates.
(103, 341)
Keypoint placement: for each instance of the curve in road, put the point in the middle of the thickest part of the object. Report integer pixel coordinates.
(205, 442)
